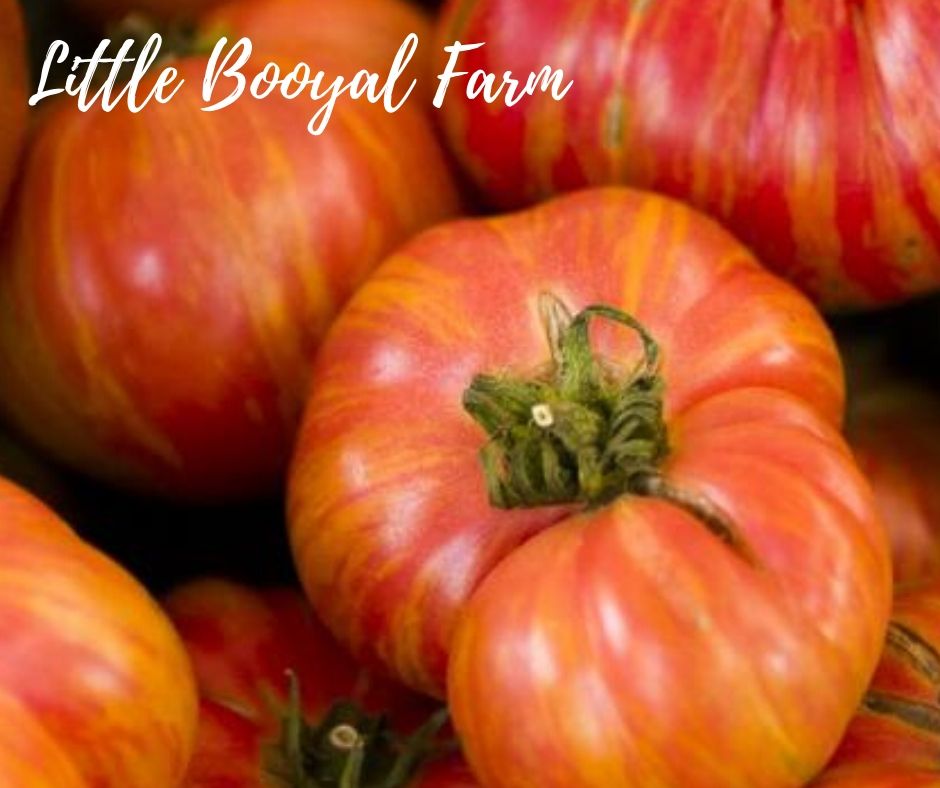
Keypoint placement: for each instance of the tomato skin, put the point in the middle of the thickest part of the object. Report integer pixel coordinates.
(242, 642)
(896, 440)
(879, 740)
(363, 34)
(93, 680)
(393, 535)
(805, 127)
(189, 270)
(13, 106)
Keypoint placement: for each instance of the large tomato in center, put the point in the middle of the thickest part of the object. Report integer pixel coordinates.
(811, 128)
(12, 91)
(170, 273)
(665, 566)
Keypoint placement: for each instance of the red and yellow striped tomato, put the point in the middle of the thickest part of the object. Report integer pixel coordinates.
(244, 645)
(713, 615)
(12, 91)
(895, 434)
(892, 741)
(95, 688)
(809, 127)
(170, 274)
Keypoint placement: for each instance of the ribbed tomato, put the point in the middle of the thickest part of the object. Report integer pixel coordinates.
(95, 688)
(690, 584)
(170, 274)
(12, 91)
(809, 127)
(245, 646)
(894, 430)
(892, 742)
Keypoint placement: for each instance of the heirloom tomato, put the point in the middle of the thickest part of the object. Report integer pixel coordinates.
(281, 701)
(893, 740)
(894, 430)
(170, 274)
(811, 128)
(666, 568)
(13, 104)
(95, 688)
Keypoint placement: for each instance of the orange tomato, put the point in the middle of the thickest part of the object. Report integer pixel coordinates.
(95, 688)
(170, 274)
(664, 568)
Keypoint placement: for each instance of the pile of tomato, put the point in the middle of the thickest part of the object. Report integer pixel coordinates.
(573, 444)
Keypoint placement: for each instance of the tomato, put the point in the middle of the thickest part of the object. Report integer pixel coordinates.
(676, 535)
(895, 433)
(12, 91)
(157, 332)
(95, 688)
(807, 127)
(894, 736)
(245, 645)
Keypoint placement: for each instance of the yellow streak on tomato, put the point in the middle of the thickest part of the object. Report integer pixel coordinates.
(437, 318)
(106, 393)
(638, 246)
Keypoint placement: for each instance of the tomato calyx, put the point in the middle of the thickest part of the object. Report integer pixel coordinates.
(349, 748)
(581, 431)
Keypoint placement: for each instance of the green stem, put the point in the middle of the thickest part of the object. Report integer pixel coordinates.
(701, 508)
(349, 748)
(922, 716)
(916, 651)
(581, 431)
